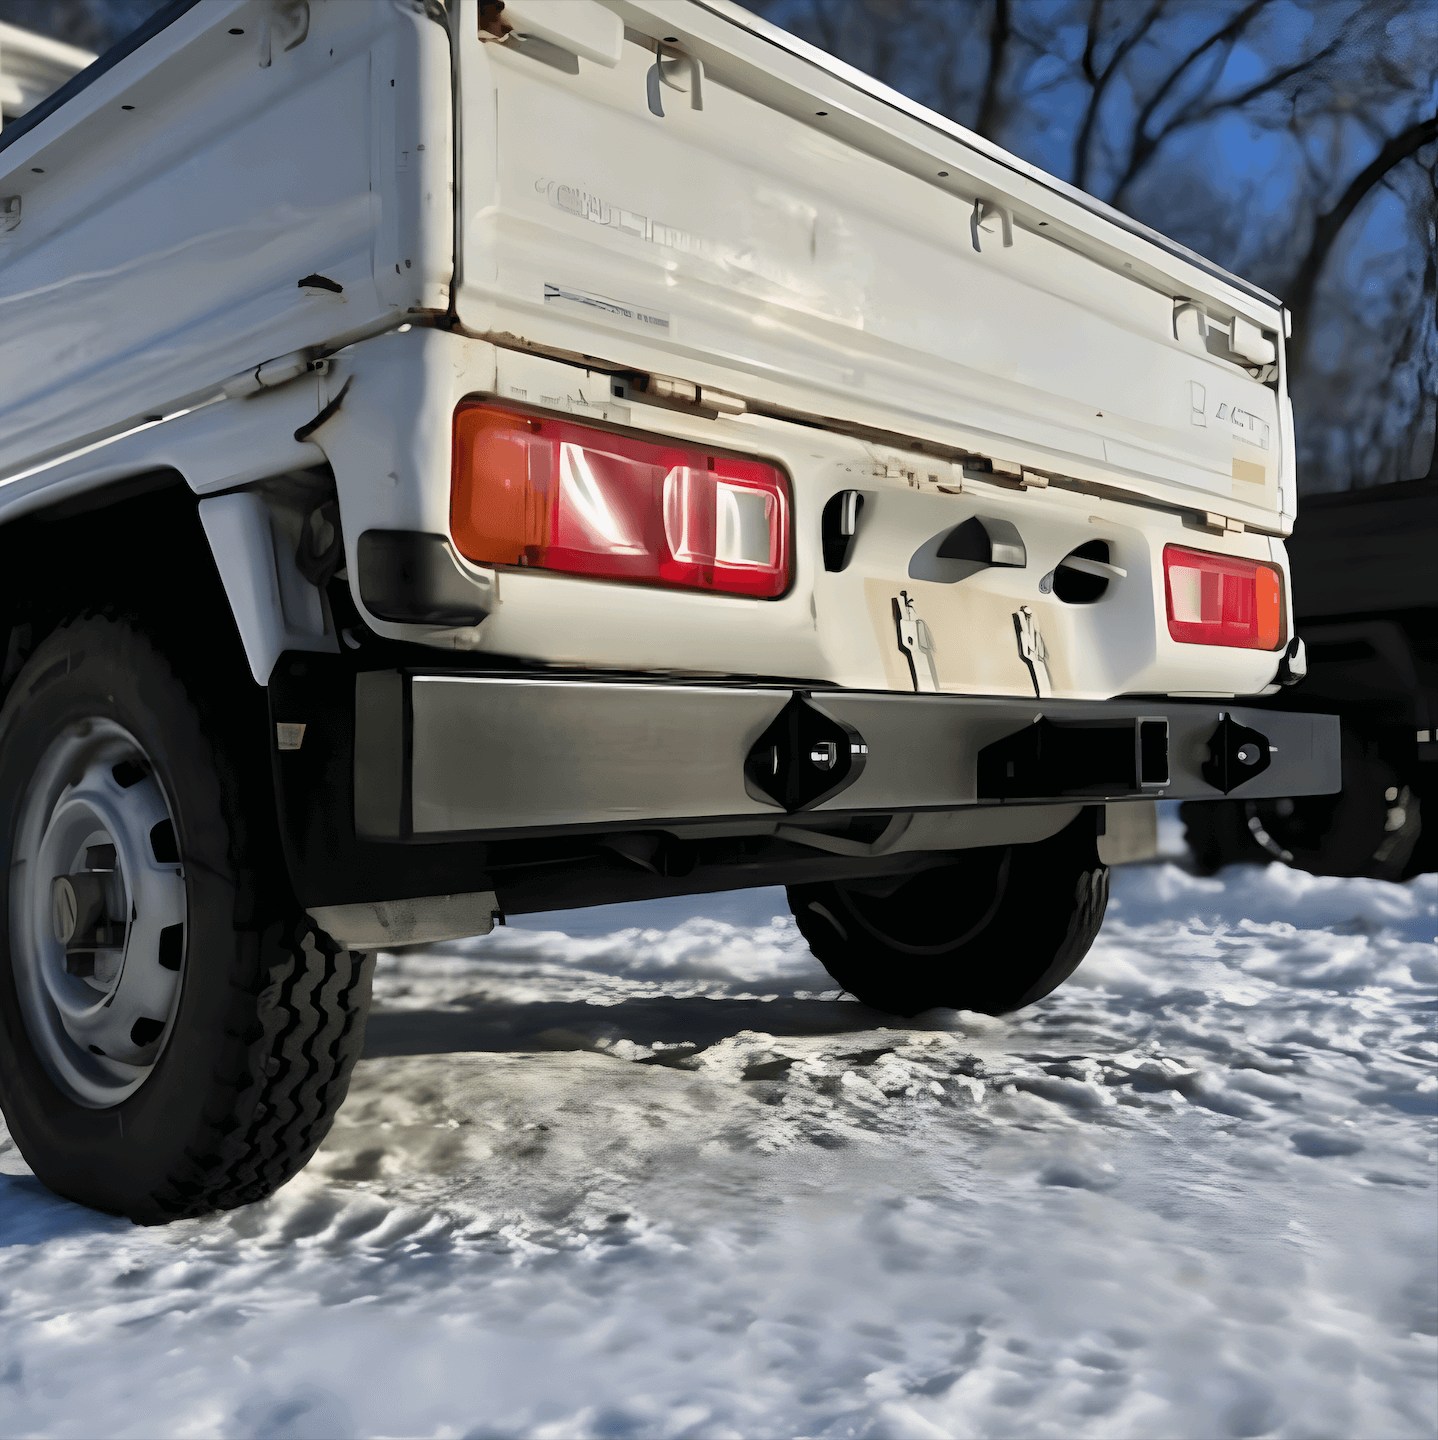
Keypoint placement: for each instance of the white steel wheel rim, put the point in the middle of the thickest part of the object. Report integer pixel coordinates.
(99, 1035)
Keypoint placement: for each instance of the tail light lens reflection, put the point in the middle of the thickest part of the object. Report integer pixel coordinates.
(556, 495)
(1221, 600)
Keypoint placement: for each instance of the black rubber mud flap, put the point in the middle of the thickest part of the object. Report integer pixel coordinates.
(415, 578)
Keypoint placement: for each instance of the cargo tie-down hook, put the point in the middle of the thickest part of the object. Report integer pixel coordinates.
(667, 70)
(289, 24)
(983, 209)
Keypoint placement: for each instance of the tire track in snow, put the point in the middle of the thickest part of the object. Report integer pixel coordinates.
(663, 1182)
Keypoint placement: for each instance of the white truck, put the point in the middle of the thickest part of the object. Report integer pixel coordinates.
(466, 459)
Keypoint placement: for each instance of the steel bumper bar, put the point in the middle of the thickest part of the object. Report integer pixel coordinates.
(441, 756)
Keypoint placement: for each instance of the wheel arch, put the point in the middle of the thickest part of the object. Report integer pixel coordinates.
(223, 566)
(129, 544)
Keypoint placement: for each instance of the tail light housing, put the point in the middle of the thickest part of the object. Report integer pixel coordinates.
(555, 495)
(1221, 600)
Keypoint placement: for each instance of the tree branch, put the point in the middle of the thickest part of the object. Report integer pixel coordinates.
(1148, 145)
(1143, 148)
(1099, 80)
(1238, 101)
(1095, 19)
(1299, 297)
(998, 42)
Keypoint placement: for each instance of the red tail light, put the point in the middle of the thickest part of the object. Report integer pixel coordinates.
(1218, 600)
(559, 496)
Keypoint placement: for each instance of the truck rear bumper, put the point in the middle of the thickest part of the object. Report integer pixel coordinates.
(445, 756)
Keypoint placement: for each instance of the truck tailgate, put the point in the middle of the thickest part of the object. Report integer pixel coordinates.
(803, 243)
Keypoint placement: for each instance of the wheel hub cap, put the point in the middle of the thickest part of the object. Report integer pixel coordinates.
(98, 913)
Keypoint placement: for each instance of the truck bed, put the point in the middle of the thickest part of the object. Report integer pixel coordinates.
(811, 244)
(806, 241)
(167, 213)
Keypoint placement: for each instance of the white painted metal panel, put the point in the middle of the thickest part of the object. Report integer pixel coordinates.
(740, 244)
(273, 610)
(810, 265)
(390, 450)
(582, 27)
(171, 209)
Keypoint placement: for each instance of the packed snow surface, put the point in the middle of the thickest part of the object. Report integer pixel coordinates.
(646, 1173)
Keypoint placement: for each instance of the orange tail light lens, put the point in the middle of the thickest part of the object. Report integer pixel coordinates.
(555, 495)
(1218, 600)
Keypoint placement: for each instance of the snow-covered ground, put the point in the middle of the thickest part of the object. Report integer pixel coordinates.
(646, 1174)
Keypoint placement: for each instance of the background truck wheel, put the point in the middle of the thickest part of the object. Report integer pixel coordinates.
(1217, 834)
(1372, 827)
(993, 932)
(175, 1035)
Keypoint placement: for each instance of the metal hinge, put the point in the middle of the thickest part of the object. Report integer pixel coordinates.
(669, 392)
(917, 643)
(1221, 524)
(1008, 473)
(1035, 653)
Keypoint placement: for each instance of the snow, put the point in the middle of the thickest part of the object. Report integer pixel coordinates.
(641, 1171)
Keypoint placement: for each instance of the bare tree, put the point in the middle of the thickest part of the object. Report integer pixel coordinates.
(1135, 100)
(1298, 294)
(953, 55)
(1100, 75)
(990, 103)
(1369, 387)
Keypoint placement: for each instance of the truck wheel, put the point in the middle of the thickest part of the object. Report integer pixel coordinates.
(1371, 827)
(993, 932)
(1218, 834)
(168, 1047)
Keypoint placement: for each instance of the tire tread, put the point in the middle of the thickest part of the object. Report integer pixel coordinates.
(294, 1076)
(297, 1002)
(1031, 940)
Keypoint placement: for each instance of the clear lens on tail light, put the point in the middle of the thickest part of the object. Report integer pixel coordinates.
(559, 496)
(1220, 600)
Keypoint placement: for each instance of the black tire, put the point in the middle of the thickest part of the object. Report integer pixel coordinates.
(1424, 857)
(1217, 834)
(993, 932)
(1372, 827)
(268, 1014)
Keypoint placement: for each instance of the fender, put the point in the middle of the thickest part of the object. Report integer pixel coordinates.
(237, 448)
(254, 538)
(220, 445)
(389, 446)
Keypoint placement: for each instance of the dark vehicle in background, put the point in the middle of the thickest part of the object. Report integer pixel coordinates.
(1365, 574)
